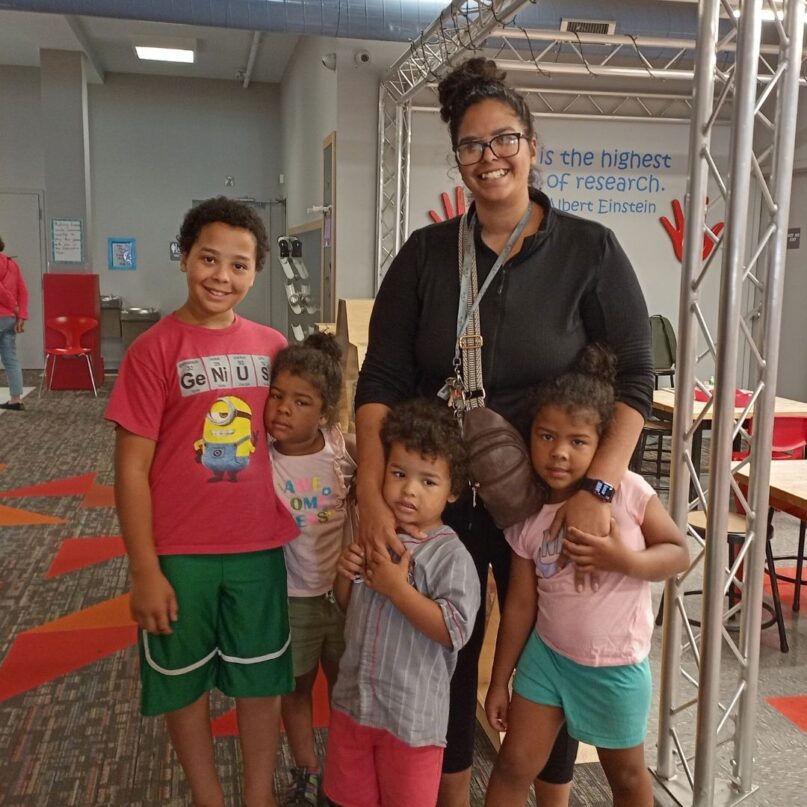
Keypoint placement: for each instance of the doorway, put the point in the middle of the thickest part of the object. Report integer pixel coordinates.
(21, 228)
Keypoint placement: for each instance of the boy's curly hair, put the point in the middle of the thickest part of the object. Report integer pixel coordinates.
(227, 211)
(317, 361)
(430, 428)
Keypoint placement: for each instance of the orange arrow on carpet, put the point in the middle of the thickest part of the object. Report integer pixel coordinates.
(66, 644)
(36, 658)
(99, 496)
(226, 725)
(69, 486)
(14, 517)
(78, 553)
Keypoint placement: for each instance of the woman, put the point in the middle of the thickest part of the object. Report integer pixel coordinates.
(13, 313)
(565, 283)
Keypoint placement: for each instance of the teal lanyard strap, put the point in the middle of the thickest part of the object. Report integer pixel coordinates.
(465, 311)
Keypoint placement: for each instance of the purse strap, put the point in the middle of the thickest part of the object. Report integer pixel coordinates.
(467, 389)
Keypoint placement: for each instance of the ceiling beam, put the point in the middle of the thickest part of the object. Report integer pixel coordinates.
(93, 61)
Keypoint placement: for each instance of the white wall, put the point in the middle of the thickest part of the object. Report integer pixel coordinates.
(308, 114)
(356, 149)
(21, 158)
(156, 145)
(640, 233)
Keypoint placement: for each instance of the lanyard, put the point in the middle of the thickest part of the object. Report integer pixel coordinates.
(465, 311)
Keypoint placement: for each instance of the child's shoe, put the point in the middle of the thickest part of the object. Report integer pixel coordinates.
(303, 790)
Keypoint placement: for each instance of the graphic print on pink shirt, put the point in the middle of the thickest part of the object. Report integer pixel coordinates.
(549, 560)
(311, 501)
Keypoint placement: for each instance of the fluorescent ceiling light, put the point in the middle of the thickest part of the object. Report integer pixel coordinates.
(165, 54)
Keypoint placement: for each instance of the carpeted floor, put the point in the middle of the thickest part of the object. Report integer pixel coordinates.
(70, 732)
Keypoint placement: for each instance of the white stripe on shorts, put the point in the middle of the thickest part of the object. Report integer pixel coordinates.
(197, 664)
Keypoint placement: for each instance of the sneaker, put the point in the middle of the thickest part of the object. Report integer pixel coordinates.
(14, 407)
(303, 790)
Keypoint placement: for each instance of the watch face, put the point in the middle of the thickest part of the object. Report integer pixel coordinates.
(602, 490)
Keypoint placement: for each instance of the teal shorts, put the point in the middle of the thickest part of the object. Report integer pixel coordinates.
(232, 633)
(317, 632)
(606, 707)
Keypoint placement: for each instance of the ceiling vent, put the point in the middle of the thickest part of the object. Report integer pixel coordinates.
(587, 26)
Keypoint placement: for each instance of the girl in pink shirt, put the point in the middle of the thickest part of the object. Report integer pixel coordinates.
(581, 656)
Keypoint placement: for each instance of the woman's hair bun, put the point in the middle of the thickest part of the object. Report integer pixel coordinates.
(464, 80)
(325, 343)
(597, 360)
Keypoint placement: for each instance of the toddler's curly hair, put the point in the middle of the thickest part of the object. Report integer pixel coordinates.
(430, 428)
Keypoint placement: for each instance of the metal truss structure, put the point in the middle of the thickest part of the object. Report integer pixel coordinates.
(755, 89)
(711, 677)
(547, 63)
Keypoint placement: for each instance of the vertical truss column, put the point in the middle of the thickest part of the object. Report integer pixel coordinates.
(726, 709)
(765, 350)
(461, 28)
(392, 208)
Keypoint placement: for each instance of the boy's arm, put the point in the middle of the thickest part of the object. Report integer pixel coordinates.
(350, 564)
(341, 591)
(425, 614)
(666, 551)
(153, 601)
(517, 621)
(392, 579)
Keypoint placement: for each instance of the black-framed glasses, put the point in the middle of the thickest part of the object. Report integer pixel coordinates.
(503, 145)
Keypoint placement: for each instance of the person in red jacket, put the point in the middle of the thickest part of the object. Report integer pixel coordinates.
(13, 313)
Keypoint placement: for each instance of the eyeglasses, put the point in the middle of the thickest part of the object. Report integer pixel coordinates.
(503, 145)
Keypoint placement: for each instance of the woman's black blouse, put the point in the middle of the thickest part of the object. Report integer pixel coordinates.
(570, 284)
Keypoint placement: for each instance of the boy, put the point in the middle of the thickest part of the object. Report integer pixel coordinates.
(202, 525)
(406, 620)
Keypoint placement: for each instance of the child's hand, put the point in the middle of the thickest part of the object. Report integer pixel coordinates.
(385, 575)
(497, 705)
(593, 553)
(153, 603)
(351, 562)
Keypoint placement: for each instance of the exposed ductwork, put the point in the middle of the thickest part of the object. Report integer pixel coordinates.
(392, 20)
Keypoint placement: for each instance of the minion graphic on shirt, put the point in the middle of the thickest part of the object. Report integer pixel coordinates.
(227, 438)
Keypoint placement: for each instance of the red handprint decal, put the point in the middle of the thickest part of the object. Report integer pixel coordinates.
(448, 209)
(676, 231)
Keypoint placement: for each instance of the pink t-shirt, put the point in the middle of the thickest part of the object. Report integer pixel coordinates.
(199, 394)
(603, 628)
(314, 488)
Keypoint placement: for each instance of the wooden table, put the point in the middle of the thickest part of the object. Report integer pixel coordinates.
(788, 493)
(788, 486)
(664, 408)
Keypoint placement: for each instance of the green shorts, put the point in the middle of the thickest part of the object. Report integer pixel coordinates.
(606, 707)
(232, 632)
(317, 632)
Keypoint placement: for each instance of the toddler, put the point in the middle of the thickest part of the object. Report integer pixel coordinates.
(312, 471)
(407, 617)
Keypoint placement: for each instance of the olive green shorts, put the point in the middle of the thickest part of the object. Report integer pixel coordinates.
(232, 632)
(317, 632)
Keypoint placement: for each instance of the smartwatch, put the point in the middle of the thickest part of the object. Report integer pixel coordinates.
(597, 487)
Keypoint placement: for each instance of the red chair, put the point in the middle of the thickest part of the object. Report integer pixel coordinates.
(787, 442)
(72, 329)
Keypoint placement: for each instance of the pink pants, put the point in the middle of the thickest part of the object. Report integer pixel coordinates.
(368, 767)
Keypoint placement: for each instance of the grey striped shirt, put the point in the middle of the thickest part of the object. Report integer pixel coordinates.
(391, 675)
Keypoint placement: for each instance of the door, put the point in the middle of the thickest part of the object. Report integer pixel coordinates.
(21, 228)
(792, 377)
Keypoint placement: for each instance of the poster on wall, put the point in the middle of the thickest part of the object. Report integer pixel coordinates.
(67, 239)
(122, 254)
